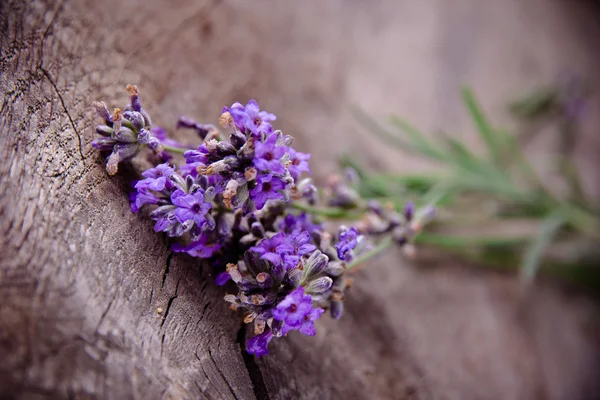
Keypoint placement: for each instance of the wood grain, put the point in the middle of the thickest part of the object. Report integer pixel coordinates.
(93, 304)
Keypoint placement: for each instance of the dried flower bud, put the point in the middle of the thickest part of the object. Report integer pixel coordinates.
(226, 120)
(230, 192)
(133, 91)
(233, 271)
(250, 174)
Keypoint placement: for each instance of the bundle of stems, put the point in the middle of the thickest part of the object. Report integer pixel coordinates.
(480, 196)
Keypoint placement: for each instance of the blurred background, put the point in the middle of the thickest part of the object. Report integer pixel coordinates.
(433, 327)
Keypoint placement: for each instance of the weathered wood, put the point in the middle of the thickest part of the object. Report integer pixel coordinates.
(92, 303)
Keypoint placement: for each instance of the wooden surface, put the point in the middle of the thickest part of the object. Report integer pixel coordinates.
(82, 278)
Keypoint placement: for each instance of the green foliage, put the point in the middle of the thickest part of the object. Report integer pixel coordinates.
(503, 179)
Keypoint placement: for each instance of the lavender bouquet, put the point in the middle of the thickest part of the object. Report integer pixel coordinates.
(239, 202)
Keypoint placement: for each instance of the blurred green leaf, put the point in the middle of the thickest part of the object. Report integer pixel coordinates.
(533, 255)
(536, 104)
(418, 141)
(484, 128)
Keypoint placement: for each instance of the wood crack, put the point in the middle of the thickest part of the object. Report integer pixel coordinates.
(62, 101)
(256, 377)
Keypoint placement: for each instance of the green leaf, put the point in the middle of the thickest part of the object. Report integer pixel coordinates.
(534, 253)
(535, 104)
(378, 130)
(484, 128)
(418, 141)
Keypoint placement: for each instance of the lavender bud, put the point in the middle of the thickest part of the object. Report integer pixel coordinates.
(224, 149)
(224, 229)
(233, 271)
(315, 264)
(126, 135)
(127, 150)
(319, 285)
(257, 230)
(247, 150)
(135, 118)
(237, 139)
(277, 328)
(104, 144)
(310, 193)
(351, 176)
(178, 181)
(231, 298)
(133, 91)
(144, 136)
(102, 111)
(104, 130)
(162, 211)
(409, 211)
(375, 207)
(337, 309)
(294, 277)
(335, 268)
(278, 272)
(264, 280)
(147, 120)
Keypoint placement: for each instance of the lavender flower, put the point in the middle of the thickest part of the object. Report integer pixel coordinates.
(347, 243)
(228, 206)
(124, 133)
(192, 207)
(274, 249)
(298, 163)
(199, 248)
(251, 118)
(268, 187)
(156, 178)
(268, 154)
(298, 223)
(257, 345)
(296, 311)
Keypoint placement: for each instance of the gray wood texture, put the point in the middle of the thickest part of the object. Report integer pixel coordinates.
(93, 304)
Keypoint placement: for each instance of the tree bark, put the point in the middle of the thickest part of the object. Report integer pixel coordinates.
(94, 305)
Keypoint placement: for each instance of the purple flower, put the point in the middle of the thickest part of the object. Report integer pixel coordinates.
(140, 197)
(251, 118)
(258, 344)
(347, 243)
(273, 249)
(222, 278)
(190, 169)
(298, 163)
(199, 248)
(298, 223)
(307, 326)
(300, 245)
(293, 309)
(156, 178)
(190, 206)
(268, 154)
(267, 188)
(200, 155)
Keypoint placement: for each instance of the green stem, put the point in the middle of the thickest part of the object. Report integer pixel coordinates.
(174, 149)
(382, 246)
